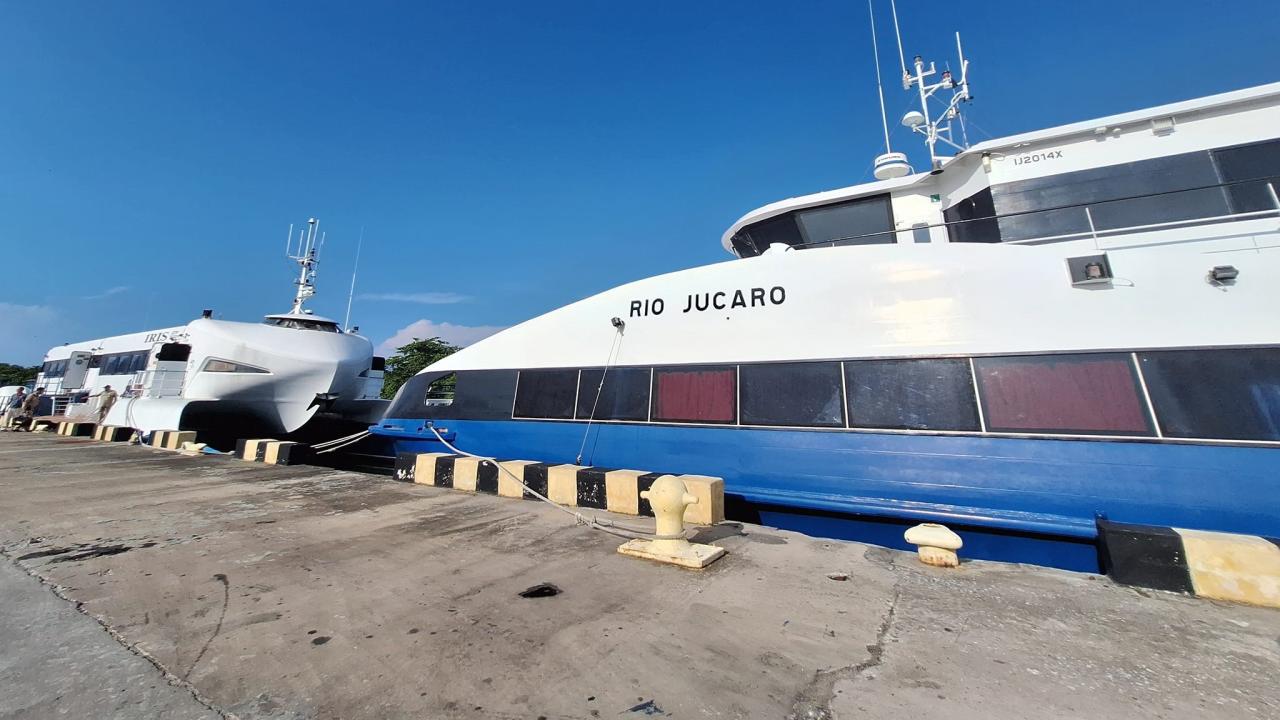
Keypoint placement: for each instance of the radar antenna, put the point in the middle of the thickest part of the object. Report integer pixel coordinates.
(307, 256)
(934, 129)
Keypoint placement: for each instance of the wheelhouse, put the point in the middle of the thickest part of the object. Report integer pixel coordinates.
(1156, 171)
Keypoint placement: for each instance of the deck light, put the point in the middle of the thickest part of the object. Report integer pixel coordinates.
(618, 323)
(206, 314)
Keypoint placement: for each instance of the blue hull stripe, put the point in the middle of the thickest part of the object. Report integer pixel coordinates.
(1049, 487)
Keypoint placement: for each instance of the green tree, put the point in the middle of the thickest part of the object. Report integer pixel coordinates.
(17, 374)
(411, 358)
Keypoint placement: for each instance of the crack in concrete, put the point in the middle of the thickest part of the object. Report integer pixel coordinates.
(60, 592)
(814, 701)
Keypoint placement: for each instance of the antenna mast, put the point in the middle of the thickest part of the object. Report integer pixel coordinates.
(875, 49)
(346, 323)
(306, 258)
(890, 164)
(934, 128)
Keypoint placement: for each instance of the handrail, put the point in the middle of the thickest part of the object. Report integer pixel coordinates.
(1092, 232)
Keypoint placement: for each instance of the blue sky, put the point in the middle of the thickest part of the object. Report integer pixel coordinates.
(504, 158)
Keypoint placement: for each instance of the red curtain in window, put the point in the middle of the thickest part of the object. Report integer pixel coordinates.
(1062, 395)
(695, 396)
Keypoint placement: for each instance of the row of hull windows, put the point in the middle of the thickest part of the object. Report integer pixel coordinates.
(111, 364)
(1227, 394)
(120, 363)
(1175, 188)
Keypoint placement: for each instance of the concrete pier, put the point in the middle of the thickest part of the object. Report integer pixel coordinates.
(159, 584)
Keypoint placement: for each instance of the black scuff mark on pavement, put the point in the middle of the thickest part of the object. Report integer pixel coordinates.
(648, 707)
(83, 551)
(226, 599)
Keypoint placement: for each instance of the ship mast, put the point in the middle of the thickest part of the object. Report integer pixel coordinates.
(934, 129)
(307, 255)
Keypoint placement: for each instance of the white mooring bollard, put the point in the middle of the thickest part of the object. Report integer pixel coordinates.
(936, 544)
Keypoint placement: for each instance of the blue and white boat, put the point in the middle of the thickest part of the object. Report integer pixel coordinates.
(1041, 330)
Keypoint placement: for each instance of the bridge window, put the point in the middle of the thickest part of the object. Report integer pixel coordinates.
(1068, 394)
(624, 396)
(868, 221)
(1215, 394)
(911, 394)
(800, 394)
(695, 394)
(864, 221)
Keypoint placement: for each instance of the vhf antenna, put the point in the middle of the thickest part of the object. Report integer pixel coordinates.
(933, 128)
(891, 164)
(307, 256)
(346, 323)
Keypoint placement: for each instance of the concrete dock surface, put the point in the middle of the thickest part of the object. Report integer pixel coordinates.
(141, 583)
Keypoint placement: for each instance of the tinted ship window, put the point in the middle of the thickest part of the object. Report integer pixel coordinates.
(1073, 394)
(867, 221)
(803, 394)
(970, 220)
(911, 394)
(1215, 394)
(477, 395)
(863, 221)
(1259, 164)
(546, 394)
(483, 395)
(1151, 191)
(702, 394)
(624, 396)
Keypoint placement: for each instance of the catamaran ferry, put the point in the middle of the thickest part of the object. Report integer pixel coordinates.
(1037, 332)
(223, 377)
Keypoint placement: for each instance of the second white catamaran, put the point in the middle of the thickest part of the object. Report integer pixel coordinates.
(225, 376)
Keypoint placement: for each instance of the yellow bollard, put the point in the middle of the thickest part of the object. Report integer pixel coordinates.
(669, 497)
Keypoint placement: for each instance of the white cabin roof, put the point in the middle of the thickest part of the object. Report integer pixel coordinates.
(300, 316)
(851, 192)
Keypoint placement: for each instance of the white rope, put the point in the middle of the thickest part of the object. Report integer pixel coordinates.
(350, 440)
(592, 522)
(336, 441)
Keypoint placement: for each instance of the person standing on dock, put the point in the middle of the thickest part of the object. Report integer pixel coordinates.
(13, 407)
(30, 406)
(106, 399)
